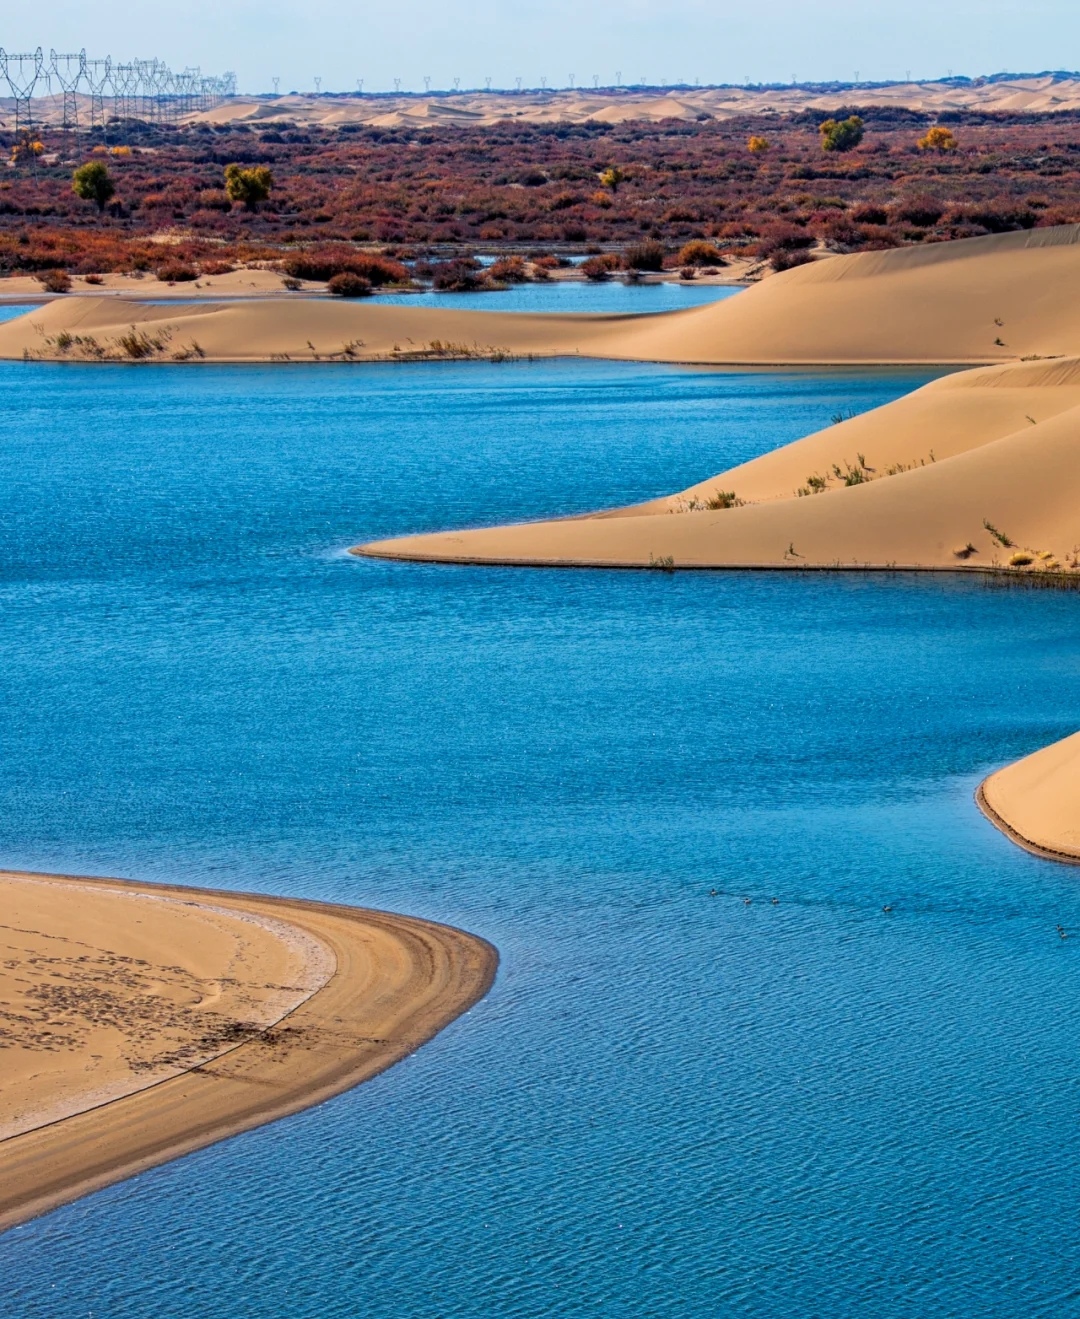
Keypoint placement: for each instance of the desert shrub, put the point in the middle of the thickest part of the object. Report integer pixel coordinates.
(869, 213)
(176, 272)
(462, 275)
(688, 272)
(215, 199)
(599, 268)
(92, 182)
(55, 281)
(783, 238)
(923, 210)
(841, 134)
(788, 259)
(757, 145)
(93, 279)
(698, 252)
(647, 255)
(216, 267)
(611, 178)
(348, 285)
(323, 263)
(938, 138)
(510, 270)
(248, 186)
(999, 217)
(842, 233)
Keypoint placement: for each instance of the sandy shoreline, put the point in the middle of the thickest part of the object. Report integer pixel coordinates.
(1035, 801)
(140, 1022)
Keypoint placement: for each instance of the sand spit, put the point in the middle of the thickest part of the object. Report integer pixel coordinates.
(960, 496)
(139, 1022)
(979, 300)
(1036, 801)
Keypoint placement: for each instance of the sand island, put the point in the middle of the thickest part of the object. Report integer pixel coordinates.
(140, 1022)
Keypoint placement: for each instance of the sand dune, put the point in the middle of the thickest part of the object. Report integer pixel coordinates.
(910, 484)
(1043, 93)
(975, 301)
(1026, 484)
(139, 1022)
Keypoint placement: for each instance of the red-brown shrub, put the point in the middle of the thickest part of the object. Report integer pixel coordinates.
(348, 285)
(648, 255)
(323, 263)
(788, 258)
(55, 281)
(175, 272)
(599, 268)
(510, 270)
(698, 252)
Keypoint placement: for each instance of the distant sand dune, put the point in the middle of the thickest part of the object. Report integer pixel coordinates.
(1044, 93)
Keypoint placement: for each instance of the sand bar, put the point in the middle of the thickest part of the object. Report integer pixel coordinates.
(139, 1022)
(1036, 801)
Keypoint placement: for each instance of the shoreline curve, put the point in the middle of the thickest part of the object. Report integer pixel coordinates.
(396, 982)
(1014, 836)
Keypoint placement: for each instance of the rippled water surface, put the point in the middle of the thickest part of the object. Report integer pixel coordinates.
(673, 1103)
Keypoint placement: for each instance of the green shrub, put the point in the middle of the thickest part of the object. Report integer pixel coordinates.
(93, 183)
(248, 186)
(841, 134)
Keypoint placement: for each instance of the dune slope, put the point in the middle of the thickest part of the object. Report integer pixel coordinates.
(998, 445)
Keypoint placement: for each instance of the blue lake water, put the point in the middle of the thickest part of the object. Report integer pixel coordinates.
(671, 1104)
(567, 296)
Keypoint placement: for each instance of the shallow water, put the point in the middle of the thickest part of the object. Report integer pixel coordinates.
(671, 1103)
(567, 296)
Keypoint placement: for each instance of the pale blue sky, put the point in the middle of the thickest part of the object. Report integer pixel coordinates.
(713, 40)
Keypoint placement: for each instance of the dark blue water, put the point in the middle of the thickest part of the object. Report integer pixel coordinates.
(671, 1104)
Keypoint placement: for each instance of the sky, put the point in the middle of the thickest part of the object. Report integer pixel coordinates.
(627, 41)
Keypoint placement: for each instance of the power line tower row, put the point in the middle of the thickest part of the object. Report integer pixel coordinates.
(141, 89)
